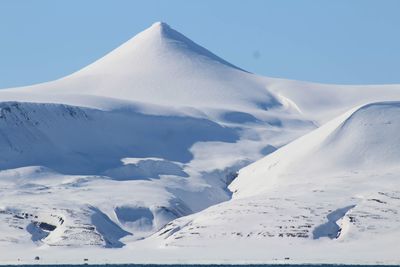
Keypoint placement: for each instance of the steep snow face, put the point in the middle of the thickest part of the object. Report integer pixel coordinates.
(368, 139)
(362, 139)
(76, 140)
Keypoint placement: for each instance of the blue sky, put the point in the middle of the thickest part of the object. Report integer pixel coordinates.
(342, 41)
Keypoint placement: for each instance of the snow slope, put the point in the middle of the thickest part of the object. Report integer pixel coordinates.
(113, 156)
(158, 66)
(67, 138)
(158, 116)
(323, 102)
(365, 138)
(333, 191)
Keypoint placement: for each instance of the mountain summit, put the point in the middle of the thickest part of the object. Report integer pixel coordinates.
(161, 66)
(163, 32)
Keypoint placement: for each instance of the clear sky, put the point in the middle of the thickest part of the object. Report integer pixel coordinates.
(341, 41)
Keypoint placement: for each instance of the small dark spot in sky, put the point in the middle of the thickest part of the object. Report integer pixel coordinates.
(256, 54)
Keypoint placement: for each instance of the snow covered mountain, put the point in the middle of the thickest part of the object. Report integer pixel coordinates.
(328, 196)
(158, 66)
(158, 116)
(113, 156)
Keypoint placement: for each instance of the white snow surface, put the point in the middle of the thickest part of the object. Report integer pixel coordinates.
(140, 150)
(363, 139)
(331, 196)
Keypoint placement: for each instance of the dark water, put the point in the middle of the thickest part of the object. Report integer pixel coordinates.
(204, 265)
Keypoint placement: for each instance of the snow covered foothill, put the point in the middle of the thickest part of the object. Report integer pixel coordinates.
(335, 188)
(141, 151)
(363, 139)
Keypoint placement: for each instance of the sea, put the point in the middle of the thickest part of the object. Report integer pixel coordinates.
(202, 265)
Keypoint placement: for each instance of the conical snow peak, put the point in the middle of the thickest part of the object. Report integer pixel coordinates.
(160, 24)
